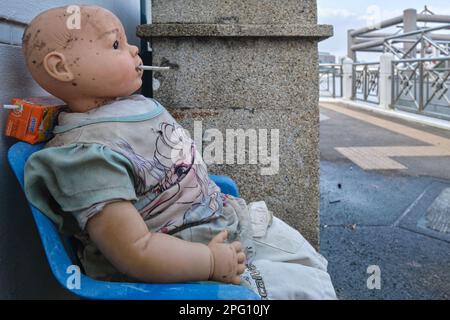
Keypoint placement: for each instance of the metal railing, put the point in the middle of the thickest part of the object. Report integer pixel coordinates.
(422, 86)
(365, 79)
(330, 80)
(408, 45)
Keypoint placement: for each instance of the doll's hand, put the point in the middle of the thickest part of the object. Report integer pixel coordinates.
(227, 261)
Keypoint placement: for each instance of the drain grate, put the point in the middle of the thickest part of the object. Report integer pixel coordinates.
(438, 214)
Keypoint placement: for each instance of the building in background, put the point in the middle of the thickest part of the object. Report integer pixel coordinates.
(326, 57)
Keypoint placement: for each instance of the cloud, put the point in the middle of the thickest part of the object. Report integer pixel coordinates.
(333, 13)
(374, 15)
(438, 10)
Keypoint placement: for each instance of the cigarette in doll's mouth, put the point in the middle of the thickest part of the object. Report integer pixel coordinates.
(151, 68)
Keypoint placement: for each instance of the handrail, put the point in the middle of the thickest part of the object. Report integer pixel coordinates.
(421, 60)
(379, 42)
(365, 63)
(330, 64)
(419, 31)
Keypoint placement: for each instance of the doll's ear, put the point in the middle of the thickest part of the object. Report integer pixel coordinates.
(56, 66)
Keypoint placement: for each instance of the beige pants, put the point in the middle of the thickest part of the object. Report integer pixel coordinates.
(286, 266)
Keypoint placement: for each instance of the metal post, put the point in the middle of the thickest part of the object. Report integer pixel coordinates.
(334, 81)
(422, 46)
(421, 80)
(409, 24)
(347, 78)
(353, 81)
(384, 88)
(393, 81)
(350, 53)
(366, 81)
(328, 81)
(421, 85)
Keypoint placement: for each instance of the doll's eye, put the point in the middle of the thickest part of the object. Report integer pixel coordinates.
(116, 45)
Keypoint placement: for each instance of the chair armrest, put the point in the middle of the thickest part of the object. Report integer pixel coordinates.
(226, 184)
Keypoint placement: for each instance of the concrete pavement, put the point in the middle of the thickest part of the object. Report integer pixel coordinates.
(384, 208)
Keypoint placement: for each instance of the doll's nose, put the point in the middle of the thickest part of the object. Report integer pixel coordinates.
(134, 50)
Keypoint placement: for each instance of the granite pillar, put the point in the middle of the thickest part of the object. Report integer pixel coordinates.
(249, 65)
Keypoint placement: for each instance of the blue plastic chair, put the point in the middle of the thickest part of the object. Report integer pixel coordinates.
(60, 258)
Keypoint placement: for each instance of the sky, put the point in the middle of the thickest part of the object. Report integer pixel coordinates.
(355, 14)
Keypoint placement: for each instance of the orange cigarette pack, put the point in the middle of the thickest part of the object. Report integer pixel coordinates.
(34, 119)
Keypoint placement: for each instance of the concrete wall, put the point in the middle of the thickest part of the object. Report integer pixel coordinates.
(24, 272)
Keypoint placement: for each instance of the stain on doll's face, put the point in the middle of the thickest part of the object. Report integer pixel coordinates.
(104, 63)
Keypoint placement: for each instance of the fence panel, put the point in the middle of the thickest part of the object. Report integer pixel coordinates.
(422, 86)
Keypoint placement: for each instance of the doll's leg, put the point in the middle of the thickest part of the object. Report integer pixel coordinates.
(282, 243)
(286, 266)
(282, 281)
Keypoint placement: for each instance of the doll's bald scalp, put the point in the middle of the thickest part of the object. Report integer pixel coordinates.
(48, 32)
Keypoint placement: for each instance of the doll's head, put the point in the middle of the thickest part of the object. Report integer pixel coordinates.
(86, 65)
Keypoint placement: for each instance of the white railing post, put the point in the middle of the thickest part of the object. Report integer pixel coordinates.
(347, 66)
(385, 80)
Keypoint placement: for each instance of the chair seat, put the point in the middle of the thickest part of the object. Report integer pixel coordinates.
(61, 263)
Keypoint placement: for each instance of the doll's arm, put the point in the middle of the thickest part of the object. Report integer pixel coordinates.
(122, 236)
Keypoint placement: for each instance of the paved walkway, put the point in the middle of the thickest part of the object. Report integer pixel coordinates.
(385, 201)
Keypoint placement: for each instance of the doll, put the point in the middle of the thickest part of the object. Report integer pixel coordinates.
(122, 176)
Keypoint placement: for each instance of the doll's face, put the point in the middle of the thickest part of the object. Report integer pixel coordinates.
(91, 62)
(102, 62)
